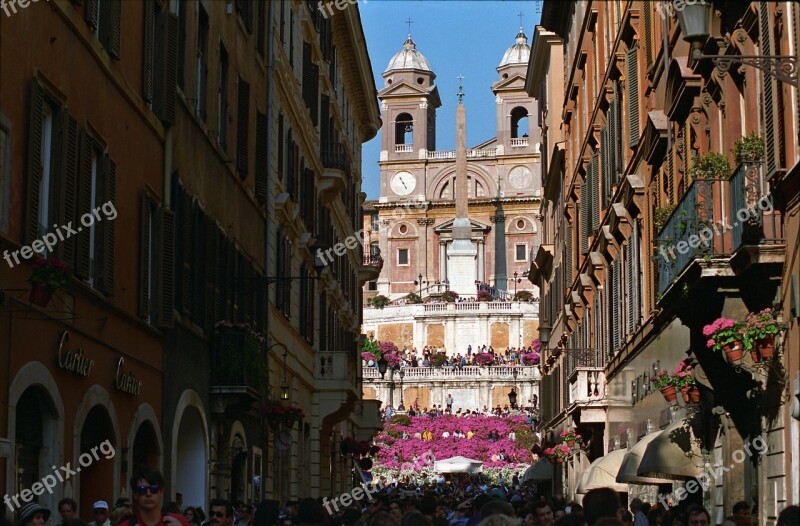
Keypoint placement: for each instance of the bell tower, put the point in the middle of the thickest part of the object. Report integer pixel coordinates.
(409, 99)
(517, 133)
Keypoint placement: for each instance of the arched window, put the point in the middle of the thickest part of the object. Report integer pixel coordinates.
(519, 122)
(404, 129)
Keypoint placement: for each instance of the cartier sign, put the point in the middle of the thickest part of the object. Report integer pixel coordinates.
(127, 383)
(73, 361)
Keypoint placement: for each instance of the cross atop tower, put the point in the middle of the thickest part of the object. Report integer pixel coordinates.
(460, 88)
(409, 22)
(520, 15)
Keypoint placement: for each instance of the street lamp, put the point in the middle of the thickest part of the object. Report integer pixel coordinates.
(420, 282)
(402, 406)
(695, 23)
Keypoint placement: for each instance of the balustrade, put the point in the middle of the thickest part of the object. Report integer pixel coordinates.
(524, 373)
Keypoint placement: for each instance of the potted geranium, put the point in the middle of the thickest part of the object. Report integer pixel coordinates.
(727, 335)
(664, 382)
(684, 380)
(570, 437)
(760, 329)
(48, 275)
(278, 415)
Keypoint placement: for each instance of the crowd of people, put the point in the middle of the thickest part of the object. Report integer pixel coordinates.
(437, 410)
(433, 356)
(461, 502)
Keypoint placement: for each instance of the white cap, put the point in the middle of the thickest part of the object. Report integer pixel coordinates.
(100, 504)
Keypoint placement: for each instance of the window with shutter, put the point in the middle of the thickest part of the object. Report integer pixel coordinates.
(583, 219)
(44, 164)
(617, 301)
(109, 15)
(647, 15)
(634, 272)
(632, 81)
(87, 182)
(261, 23)
(91, 12)
(310, 83)
(242, 128)
(605, 160)
(773, 125)
(201, 67)
(165, 258)
(262, 175)
(615, 138)
(148, 58)
(182, 14)
(568, 259)
(106, 228)
(222, 99)
(184, 244)
(212, 273)
(593, 193)
(68, 184)
(245, 9)
(146, 251)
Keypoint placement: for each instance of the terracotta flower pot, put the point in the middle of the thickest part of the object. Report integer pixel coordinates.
(670, 394)
(40, 295)
(570, 443)
(685, 393)
(733, 351)
(766, 347)
(694, 395)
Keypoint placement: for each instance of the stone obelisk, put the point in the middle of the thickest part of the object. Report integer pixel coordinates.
(462, 254)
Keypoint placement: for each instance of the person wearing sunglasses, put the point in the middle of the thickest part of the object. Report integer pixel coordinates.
(221, 512)
(147, 485)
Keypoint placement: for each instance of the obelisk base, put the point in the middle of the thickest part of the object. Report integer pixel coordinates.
(461, 259)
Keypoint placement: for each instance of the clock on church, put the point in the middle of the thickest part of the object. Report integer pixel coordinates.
(403, 183)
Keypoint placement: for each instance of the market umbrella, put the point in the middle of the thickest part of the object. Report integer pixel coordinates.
(458, 465)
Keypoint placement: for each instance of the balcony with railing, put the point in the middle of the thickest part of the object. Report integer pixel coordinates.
(457, 374)
(238, 370)
(370, 268)
(716, 219)
(521, 142)
(472, 153)
(403, 148)
(336, 167)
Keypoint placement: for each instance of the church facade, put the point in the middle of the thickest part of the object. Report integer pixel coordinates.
(458, 220)
(411, 225)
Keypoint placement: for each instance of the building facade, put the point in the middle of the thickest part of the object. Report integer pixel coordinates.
(196, 302)
(630, 114)
(81, 129)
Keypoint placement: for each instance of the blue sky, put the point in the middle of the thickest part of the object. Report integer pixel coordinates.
(466, 37)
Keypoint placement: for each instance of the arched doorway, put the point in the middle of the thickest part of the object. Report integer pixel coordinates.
(238, 469)
(35, 423)
(519, 122)
(146, 451)
(191, 464)
(96, 475)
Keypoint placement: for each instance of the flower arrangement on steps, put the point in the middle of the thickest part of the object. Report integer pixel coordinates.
(374, 350)
(282, 416)
(48, 276)
(531, 358)
(483, 359)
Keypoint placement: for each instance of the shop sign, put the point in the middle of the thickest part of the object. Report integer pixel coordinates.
(73, 361)
(127, 383)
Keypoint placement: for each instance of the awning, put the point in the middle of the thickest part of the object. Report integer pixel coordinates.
(602, 473)
(458, 465)
(541, 471)
(630, 464)
(675, 453)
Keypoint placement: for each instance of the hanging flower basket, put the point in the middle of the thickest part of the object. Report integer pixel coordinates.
(733, 350)
(670, 393)
(41, 295)
(280, 416)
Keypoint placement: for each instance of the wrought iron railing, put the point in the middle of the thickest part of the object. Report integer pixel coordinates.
(753, 217)
(237, 360)
(335, 157)
(700, 216)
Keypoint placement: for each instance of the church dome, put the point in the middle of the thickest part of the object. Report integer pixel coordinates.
(408, 58)
(519, 53)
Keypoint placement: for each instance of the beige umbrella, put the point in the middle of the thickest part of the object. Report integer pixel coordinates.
(675, 453)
